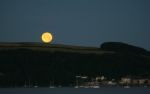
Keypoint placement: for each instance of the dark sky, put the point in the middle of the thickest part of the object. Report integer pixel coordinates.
(76, 22)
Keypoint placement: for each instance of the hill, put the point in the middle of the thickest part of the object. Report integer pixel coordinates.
(37, 62)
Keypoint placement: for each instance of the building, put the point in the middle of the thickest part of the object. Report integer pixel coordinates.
(125, 81)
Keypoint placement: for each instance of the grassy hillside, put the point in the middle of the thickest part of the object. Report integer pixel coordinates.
(37, 62)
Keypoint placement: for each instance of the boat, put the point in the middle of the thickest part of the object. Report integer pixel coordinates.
(96, 86)
(76, 87)
(126, 86)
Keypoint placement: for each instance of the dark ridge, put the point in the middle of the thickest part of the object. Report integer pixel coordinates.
(122, 47)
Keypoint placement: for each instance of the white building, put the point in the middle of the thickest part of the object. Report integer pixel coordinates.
(125, 80)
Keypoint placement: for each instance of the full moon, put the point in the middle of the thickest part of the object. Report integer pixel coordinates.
(47, 37)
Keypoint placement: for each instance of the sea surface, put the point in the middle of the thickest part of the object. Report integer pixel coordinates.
(109, 90)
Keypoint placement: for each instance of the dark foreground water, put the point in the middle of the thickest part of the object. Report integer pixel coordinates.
(114, 90)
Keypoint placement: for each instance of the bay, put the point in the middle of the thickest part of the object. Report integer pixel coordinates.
(103, 90)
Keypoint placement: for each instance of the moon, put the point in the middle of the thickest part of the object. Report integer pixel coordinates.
(47, 37)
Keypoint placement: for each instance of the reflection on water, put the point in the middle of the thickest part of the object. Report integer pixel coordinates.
(114, 90)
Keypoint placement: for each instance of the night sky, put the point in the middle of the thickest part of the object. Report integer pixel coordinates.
(76, 22)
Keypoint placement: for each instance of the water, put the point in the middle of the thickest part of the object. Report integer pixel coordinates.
(113, 90)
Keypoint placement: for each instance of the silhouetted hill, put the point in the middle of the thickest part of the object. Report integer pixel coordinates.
(122, 47)
(38, 62)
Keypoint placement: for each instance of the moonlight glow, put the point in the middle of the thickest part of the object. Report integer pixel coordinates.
(47, 37)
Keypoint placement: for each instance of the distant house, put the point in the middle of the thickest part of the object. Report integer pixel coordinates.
(100, 78)
(142, 81)
(111, 83)
(139, 81)
(148, 82)
(125, 81)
